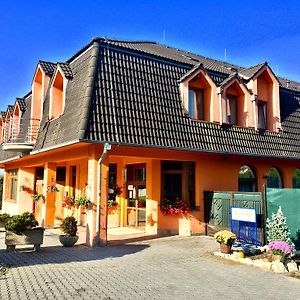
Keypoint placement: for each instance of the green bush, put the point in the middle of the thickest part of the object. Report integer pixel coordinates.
(4, 218)
(20, 223)
(69, 226)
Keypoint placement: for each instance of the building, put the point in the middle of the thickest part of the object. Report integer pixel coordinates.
(162, 123)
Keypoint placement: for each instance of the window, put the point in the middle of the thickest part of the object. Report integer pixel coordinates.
(232, 110)
(262, 115)
(57, 96)
(178, 181)
(12, 184)
(247, 180)
(296, 179)
(274, 179)
(196, 104)
(112, 175)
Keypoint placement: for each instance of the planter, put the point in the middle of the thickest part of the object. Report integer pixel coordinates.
(68, 241)
(32, 236)
(226, 249)
(113, 220)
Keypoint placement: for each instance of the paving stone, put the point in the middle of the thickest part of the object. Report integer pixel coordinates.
(169, 268)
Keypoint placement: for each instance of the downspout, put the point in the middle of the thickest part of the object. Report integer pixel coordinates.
(106, 148)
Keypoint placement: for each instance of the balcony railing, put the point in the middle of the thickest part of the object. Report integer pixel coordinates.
(19, 134)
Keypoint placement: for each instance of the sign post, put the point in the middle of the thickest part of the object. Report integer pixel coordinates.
(243, 223)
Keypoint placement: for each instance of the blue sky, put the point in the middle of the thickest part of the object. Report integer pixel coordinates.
(251, 31)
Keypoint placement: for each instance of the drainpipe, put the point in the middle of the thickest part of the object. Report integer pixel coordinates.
(106, 148)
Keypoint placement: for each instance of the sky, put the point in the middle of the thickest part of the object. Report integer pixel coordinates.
(251, 32)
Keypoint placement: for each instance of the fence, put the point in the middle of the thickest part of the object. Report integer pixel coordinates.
(289, 200)
(217, 209)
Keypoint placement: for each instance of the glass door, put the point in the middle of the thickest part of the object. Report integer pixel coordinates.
(136, 195)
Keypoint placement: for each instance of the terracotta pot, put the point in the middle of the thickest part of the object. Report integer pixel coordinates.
(226, 249)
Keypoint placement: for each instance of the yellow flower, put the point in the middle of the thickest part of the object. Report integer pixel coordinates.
(225, 237)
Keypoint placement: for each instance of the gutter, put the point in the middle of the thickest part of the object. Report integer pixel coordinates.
(106, 148)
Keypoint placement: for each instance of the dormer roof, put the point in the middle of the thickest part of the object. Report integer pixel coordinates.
(232, 78)
(192, 72)
(65, 68)
(22, 104)
(47, 67)
(10, 109)
(2, 114)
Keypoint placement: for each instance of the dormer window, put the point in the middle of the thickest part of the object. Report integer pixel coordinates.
(16, 122)
(232, 111)
(58, 90)
(198, 93)
(262, 115)
(196, 104)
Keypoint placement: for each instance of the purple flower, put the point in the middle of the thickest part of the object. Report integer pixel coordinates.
(282, 247)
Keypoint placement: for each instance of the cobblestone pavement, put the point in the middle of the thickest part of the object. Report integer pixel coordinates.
(168, 268)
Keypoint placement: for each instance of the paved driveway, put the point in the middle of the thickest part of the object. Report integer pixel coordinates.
(168, 268)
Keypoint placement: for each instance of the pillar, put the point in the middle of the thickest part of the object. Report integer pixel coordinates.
(48, 212)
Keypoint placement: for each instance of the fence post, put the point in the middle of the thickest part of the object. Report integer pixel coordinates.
(265, 211)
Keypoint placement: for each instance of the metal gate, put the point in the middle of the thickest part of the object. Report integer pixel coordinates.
(217, 209)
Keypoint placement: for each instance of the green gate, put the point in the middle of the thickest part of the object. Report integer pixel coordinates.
(217, 208)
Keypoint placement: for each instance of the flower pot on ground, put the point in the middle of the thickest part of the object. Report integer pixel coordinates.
(280, 250)
(226, 239)
(23, 230)
(69, 228)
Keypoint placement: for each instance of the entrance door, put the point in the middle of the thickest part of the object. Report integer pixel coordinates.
(136, 195)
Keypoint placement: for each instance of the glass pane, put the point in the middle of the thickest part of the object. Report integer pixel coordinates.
(296, 179)
(191, 104)
(172, 187)
(274, 179)
(261, 116)
(200, 104)
(233, 110)
(142, 196)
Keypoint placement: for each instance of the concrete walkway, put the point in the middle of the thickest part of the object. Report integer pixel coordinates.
(166, 268)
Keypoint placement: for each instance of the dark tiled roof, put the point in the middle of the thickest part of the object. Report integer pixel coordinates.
(66, 70)
(10, 108)
(289, 84)
(251, 71)
(48, 67)
(128, 94)
(22, 104)
(137, 102)
(68, 126)
(2, 114)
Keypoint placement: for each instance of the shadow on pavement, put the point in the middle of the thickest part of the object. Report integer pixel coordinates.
(61, 255)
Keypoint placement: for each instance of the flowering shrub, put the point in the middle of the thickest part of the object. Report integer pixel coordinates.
(68, 202)
(225, 237)
(114, 191)
(177, 208)
(82, 201)
(113, 207)
(280, 248)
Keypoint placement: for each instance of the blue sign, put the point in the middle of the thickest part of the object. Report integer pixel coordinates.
(243, 223)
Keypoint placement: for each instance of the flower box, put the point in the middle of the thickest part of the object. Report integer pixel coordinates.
(34, 236)
(113, 220)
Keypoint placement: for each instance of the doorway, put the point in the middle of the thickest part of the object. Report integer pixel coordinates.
(136, 195)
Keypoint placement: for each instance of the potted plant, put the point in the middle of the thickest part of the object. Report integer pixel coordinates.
(174, 207)
(23, 230)
(82, 201)
(69, 228)
(38, 197)
(280, 250)
(4, 218)
(226, 239)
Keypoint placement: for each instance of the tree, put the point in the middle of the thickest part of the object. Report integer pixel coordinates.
(277, 228)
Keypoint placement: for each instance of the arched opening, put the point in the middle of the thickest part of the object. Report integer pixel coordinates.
(296, 179)
(274, 178)
(247, 179)
(57, 103)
